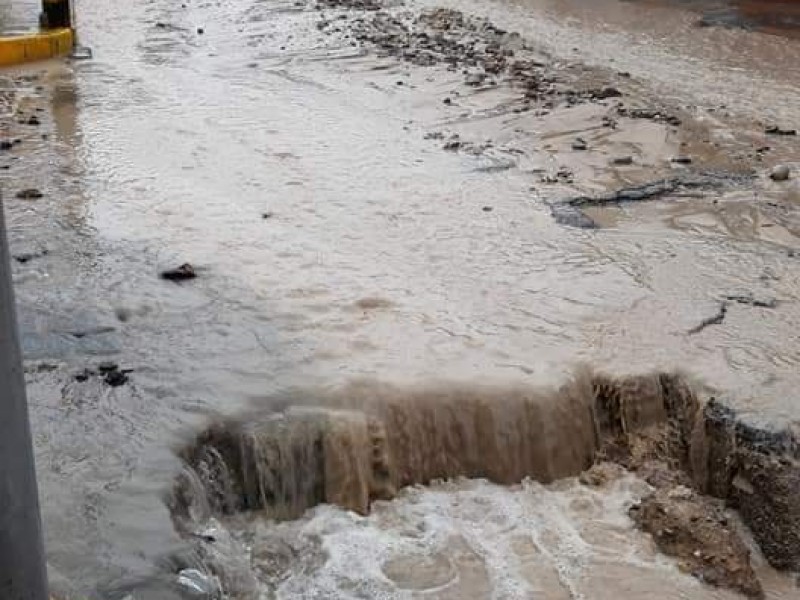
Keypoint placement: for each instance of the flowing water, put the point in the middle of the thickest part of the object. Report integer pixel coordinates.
(334, 242)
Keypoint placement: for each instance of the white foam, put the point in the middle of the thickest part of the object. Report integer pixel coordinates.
(471, 539)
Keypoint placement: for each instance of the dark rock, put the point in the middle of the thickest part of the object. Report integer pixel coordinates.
(181, 273)
(579, 144)
(609, 122)
(29, 194)
(107, 367)
(84, 375)
(267, 215)
(604, 93)
(452, 145)
(200, 31)
(487, 209)
(33, 120)
(681, 160)
(6, 145)
(447, 101)
(776, 130)
(115, 378)
(622, 160)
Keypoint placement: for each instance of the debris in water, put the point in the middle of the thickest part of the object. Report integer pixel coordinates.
(110, 372)
(579, 144)
(715, 320)
(24, 257)
(751, 300)
(81, 53)
(681, 160)
(566, 211)
(29, 194)
(649, 113)
(107, 367)
(606, 92)
(83, 375)
(116, 378)
(452, 145)
(776, 130)
(181, 273)
(198, 584)
(563, 175)
(622, 161)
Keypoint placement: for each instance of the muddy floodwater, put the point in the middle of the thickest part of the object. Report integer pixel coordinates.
(467, 207)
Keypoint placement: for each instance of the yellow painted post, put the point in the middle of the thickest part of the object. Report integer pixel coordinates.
(20, 49)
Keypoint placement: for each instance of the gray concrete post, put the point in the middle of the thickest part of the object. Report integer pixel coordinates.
(22, 567)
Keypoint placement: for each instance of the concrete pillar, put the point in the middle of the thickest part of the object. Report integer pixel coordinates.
(22, 566)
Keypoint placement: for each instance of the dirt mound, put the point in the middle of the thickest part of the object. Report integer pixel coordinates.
(696, 530)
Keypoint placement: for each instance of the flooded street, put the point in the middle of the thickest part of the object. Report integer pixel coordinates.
(356, 211)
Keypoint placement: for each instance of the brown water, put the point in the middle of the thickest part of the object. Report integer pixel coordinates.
(368, 448)
(379, 259)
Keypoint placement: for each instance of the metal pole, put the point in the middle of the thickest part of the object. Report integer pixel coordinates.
(56, 14)
(22, 567)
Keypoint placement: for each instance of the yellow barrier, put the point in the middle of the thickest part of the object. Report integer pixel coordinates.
(18, 49)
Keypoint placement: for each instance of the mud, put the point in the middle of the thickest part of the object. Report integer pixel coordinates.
(698, 531)
(756, 471)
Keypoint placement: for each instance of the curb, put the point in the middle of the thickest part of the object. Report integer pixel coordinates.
(18, 49)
